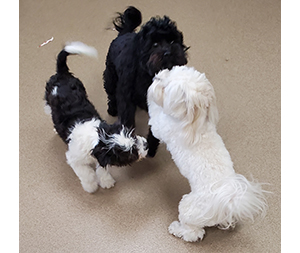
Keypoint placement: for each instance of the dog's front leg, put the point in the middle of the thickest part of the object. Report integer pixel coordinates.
(126, 107)
(87, 176)
(105, 180)
(153, 144)
(83, 170)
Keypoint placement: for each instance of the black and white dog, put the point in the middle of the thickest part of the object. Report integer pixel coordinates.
(134, 58)
(91, 141)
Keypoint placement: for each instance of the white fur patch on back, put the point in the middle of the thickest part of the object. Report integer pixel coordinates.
(85, 134)
(54, 91)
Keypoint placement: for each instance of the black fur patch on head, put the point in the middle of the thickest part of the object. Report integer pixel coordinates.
(161, 45)
(111, 152)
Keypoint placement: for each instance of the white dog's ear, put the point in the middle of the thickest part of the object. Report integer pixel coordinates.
(213, 114)
(191, 102)
(156, 90)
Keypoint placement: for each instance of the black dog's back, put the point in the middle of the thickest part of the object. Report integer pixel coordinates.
(67, 98)
(125, 23)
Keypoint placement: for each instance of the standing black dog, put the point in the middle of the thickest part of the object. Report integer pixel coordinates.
(134, 58)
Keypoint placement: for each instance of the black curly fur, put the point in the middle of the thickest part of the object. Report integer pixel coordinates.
(132, 61)
(71, 104)
(127, 22)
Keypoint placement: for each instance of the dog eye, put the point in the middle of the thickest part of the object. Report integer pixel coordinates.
(155, 44)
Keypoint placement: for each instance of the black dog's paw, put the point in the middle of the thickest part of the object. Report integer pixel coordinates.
(112, 111)
(152, 149)
(151, 153)
(153, 144)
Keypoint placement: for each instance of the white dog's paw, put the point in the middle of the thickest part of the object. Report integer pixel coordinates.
(90, 187)
(186, 232)
(106, 181)
(175, 229)
(194, 235)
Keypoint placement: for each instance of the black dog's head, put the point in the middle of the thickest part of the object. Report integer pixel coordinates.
(161, 45)
(119, 146)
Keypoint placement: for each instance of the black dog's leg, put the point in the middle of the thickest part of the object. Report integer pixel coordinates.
(153, 144)
(110, 79)
(126, 114)
(125, 106)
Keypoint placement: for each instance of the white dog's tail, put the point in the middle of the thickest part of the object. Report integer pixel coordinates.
(237, 199)
(75, 47)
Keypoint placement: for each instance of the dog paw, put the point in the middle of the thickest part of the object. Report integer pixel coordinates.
(151, 153)
(112, 111)
(227, 226)
(194, 235)
(186, 232)
(175, 229)
(90, 187)
(106, 181)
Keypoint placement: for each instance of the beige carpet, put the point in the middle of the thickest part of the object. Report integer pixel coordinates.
(237, 45)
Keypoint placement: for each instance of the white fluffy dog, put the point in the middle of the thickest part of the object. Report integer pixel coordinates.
(183, 114)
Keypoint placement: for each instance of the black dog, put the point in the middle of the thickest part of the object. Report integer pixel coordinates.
(90, 139)
(134, 58)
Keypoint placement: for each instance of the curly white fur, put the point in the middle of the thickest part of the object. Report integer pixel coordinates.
(182, 103)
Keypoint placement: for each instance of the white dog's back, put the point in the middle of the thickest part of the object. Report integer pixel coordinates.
(220, 196)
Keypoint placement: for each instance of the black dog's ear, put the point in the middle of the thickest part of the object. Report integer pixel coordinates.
(102, 154)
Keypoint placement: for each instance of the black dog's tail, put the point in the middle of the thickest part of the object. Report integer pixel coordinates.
(129, 20)
(75, 47)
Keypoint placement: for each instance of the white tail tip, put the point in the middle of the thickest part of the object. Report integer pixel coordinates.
(77, 47)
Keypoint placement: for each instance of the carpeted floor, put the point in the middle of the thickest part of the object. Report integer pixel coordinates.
(237, 45)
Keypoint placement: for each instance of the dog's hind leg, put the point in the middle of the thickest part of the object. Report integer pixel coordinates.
(105, 180)
(110, 79)
(188, 227)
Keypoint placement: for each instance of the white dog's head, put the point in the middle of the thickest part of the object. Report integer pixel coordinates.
(187, 96)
